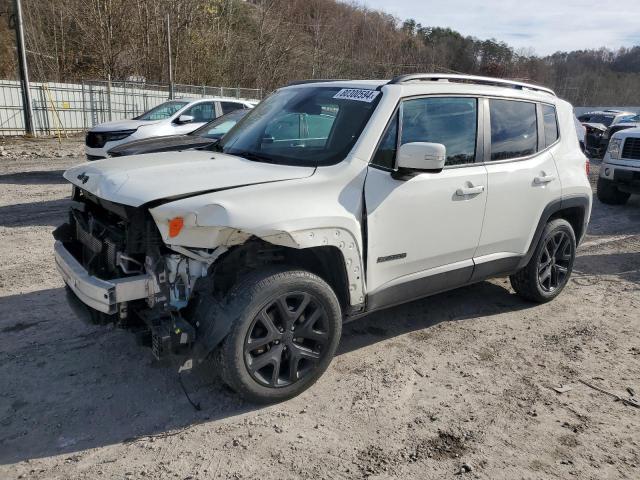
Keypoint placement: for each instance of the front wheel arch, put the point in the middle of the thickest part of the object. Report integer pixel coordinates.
(206, 308)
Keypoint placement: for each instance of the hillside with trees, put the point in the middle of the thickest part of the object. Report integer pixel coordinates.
(267, 43)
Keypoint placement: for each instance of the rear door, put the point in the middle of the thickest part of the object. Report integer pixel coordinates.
(228, 107)
(523, 178)
(423, 231)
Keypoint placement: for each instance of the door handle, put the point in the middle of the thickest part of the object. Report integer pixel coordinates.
(541, 180)
(464, 191)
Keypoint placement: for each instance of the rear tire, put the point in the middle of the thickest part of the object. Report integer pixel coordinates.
(286, 325)
(550, 267)
(608, 193)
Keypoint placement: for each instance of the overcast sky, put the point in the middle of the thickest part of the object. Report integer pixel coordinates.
(546, 26)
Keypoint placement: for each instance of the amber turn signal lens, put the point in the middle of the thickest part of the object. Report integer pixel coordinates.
(175, 225)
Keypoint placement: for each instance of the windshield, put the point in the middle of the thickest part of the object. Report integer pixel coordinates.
(606, 120)
(162, 111)
(221, 125)
(302, 126)
(635, 118)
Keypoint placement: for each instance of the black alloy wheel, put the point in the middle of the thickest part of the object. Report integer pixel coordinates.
(286, 340)
(555, 260)
(284, 328)
(548, 270)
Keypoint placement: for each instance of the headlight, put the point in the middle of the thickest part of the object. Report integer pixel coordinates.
(614, 148)
(122, 134)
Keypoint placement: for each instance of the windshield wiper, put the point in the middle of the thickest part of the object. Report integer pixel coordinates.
(214, 147)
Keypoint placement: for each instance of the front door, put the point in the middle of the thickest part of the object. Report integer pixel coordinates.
(202, 113)
(423, 231)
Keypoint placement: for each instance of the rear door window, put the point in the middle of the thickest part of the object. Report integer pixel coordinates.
(287, 128)
(514, 129)
(228, 107)
(299, 130)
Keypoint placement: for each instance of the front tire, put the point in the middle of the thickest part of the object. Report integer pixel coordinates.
(608, 193)
(286, 325)
(550, 267)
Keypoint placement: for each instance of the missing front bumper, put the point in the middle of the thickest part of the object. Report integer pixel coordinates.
(101, 295)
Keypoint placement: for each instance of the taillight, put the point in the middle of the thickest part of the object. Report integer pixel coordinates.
(587, 167)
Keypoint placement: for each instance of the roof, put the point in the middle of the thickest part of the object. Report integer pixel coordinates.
(432, 79)
(368, 84)
(219, 99)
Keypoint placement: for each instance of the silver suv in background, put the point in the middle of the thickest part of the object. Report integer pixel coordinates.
(175, 117)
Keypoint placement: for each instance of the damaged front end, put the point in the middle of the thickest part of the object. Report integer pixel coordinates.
(113, 260)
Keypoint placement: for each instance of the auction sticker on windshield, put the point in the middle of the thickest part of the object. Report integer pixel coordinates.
(361, 95)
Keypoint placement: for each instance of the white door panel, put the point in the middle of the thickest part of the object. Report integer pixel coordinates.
(517, 194)
(427, 221)
(183, 129)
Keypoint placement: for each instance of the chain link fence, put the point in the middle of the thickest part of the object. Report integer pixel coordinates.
(62, 108)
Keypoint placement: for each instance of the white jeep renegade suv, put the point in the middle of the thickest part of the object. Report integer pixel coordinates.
(326, 202)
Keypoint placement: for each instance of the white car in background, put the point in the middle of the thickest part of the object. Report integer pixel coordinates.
(175, 117)
(627, 122)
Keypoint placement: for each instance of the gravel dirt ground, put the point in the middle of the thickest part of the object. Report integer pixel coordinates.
(454, 386)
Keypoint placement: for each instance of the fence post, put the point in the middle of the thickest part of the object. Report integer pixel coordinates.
(46, 124)
(84, 109)
(125, 98)
(24, 71)
(109, 95)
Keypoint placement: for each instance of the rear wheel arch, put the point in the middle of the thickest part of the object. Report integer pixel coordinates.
(575, 216)
(572, 209)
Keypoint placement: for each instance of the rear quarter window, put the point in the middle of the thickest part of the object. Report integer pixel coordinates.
(551, 133)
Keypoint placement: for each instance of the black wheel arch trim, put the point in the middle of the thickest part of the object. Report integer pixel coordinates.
(575, 201)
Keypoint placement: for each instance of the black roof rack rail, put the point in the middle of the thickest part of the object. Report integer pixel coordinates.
(497, 82)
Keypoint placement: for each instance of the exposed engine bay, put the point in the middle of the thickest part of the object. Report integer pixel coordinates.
(122, 244)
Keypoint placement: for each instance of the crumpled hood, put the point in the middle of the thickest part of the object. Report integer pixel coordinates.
(139, 179)
(118, 125)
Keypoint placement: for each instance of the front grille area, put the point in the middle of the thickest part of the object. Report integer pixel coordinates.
(99, 139)
(99, 230)
(631, 148)
(95, 140)
(97, 242)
